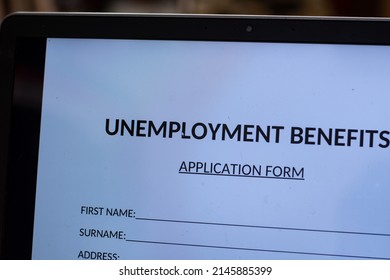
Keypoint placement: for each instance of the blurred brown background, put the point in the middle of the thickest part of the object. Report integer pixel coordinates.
(365, 8)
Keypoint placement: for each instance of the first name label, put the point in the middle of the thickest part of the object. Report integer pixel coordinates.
(106, 211)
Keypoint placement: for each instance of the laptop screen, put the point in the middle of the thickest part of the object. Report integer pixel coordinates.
(167, 149)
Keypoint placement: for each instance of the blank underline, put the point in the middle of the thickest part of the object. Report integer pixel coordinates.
(246, 176)
(255, 249)
(265, 227)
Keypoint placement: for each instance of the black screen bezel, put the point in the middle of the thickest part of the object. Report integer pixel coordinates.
(23, 43)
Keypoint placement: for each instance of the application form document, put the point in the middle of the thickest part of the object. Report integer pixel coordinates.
(213, 150)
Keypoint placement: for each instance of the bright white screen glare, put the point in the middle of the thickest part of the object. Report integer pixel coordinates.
(213, 150)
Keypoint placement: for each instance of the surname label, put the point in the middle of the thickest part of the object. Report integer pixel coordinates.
(101, 233)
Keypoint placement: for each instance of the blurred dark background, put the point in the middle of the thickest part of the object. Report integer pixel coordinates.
(364, 8)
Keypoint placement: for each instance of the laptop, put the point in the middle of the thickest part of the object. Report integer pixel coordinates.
(194, 137)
